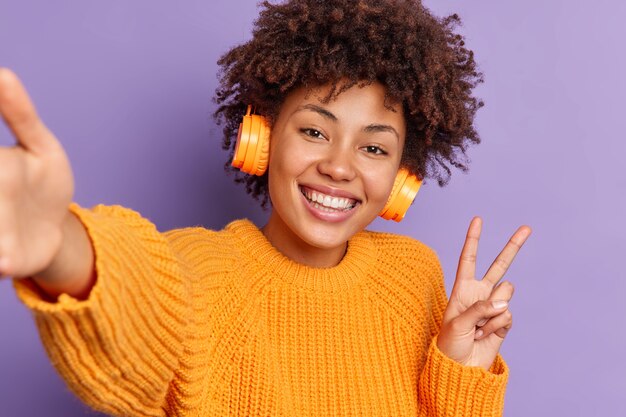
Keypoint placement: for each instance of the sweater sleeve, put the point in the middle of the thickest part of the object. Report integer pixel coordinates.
(447, 388)
(118, 349)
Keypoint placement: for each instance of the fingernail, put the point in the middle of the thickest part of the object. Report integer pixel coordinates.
(499, 304)
(478, 334)
(481, 323)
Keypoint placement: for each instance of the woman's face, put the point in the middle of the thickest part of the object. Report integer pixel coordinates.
(332, 166)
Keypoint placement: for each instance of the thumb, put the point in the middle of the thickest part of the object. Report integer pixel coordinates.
(20, 115)
(479, 311)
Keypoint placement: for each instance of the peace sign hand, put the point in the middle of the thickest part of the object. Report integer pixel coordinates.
(477, 318)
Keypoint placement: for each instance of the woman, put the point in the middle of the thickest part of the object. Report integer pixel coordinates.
(311, 314)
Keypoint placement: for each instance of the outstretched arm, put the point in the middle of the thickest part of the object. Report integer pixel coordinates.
(110, 301)
(39, 237)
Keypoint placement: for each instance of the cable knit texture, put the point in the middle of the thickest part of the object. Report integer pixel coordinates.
(195, 322)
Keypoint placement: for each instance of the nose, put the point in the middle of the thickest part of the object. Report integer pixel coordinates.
(338, 164)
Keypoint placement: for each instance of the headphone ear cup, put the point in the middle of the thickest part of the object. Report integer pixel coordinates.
(252, 148)
(405, 188)
(241, 146)
(252, 145)
(262, 154)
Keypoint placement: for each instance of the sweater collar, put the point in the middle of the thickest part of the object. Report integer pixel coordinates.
(351, 270)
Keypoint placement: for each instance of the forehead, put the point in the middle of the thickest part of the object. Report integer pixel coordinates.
(358, 104)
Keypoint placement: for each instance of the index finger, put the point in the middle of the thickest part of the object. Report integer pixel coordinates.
(503, 261)
(19, 113)
(466, 269)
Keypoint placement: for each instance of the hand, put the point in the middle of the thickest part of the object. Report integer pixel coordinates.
(36, 186)
(477, 317)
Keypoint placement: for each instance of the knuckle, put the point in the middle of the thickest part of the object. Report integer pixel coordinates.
(515, 244)
(468, 257)
(502, 332)
(457, 325)
(454, 324)
(482, 307)
(508, 286)
(487, 330)
(502, 263)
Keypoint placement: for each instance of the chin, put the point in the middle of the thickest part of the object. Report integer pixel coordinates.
(327, 235)
(323, 239)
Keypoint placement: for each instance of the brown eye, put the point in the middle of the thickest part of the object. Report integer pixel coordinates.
(312, 133)
(375, 150)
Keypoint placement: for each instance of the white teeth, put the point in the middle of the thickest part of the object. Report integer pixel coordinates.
(328, 203)
(324, 208)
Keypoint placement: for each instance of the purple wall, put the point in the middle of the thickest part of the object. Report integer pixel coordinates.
(127, 86)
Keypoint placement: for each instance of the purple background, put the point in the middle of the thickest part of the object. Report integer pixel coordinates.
(127, 87)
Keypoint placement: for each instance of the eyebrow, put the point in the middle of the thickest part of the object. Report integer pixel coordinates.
(381, 128)
(373, 128)
(317, 109)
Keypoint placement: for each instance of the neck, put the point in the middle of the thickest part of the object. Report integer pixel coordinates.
(293, 247)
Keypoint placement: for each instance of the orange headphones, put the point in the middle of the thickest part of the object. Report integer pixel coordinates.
(252, 155)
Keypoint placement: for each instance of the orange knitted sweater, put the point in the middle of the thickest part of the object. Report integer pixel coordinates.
(195, 322)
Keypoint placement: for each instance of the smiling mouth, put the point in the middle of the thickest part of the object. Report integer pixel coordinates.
(326, 202)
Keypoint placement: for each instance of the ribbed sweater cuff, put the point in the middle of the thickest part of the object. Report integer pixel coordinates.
(447, 388)
(118, 349)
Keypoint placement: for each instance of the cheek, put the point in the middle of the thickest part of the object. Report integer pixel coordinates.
(378, 184)
(285, 166)
(288, 159)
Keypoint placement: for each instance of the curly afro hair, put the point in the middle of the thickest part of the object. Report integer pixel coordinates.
(418, 57)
